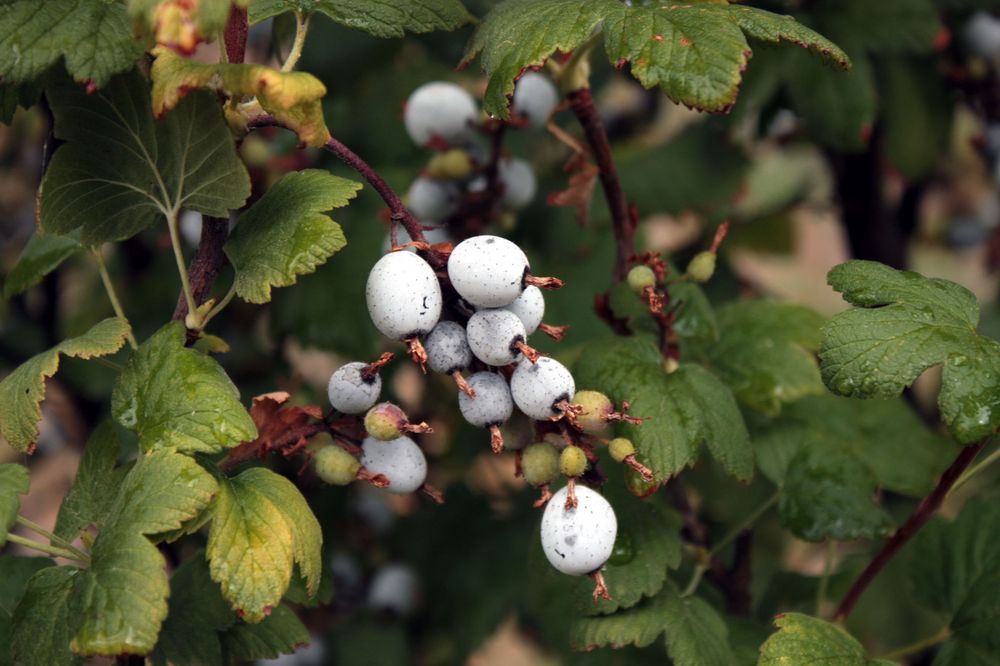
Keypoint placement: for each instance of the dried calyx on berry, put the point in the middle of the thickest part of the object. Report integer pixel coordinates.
(540, 388)
(386, 421)
(641, 277)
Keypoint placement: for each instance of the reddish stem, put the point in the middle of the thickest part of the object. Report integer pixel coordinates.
(582, 104)
(927, 507)
(207, 263)
(235, 35)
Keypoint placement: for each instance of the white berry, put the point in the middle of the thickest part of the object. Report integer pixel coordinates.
(487, 271)
(579, 541)
(394, 588)
(447, 348)
(432, 200)
(492, 404)
(440, 110)
(404, 296)
(350, 392)
(537, 387)
(529, 308)
(400, 460)
(534, 98)
(519, 184)
(982, 33)
(493, 335)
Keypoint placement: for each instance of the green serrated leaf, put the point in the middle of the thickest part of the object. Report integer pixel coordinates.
(13, 96)
(285, 234)
(694, 51)
(14, 575)
(14, 481)
(120, 171)
(261, 525)
(22, 391)
(197, 615)
(92, 36)
(42, 255)
(177, 398)
(801, 639)
(903, 324)
(279, 633)
(639, 625)
(122, 597)
(829, 493)
(886, 436)
(381, 18)
(765, 353)
(46, 619)
(97, 480)
(689, 407)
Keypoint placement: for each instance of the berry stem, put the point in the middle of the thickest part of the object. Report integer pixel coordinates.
(927, 507)
(645, 472)
(109, 287)
(570, 494)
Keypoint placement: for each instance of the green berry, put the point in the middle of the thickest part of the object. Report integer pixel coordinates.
(639, 486)
(385, 421)
(540, 463)
(640, 277)
(454, 164)
(596, 406)
(702, 267)
(572, 461)
(621, 448)
(335, 465)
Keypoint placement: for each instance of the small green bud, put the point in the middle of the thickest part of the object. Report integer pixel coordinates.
(702, 267)
(640, 277)
(540, 463)
(335, 465)
(595, 406)
(385, 421)
(572, 461)
(621, 448)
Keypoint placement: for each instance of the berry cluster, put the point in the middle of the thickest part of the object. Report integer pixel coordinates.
(472, 321)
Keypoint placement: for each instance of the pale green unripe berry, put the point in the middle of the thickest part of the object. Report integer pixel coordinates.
(335, 465)
(702, 267)
(572, 461)
(385, 421)
(540, 463)
(595, 406)
(454, 164)
(621, 448)
(640, 277)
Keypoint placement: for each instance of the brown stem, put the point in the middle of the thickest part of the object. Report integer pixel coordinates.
(549, 283)
(207, 263)
(927, 507)
(644, 472)
(570, 494)
(582, 104)
(529, 352)
(235, 35)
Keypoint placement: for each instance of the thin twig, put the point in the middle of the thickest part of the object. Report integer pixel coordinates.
(927, 507)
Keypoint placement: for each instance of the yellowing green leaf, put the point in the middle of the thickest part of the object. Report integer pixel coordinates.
(285, 234)
(120, 171)
(92, 36)
(177, 398)
(22, 391)
(261, 525)
(801, 639)
(903, 324)
(45, 619)
(14, 481)
(381, 18)
(293, 98)
(41, 256)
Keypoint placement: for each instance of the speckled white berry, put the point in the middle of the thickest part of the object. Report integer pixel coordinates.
(351, 393)
(432, 200)
(529, 308)
(492, 404)
(487, 271)
(404, 296)
(534, 98)
(493, 335)
(536, 387)
(400, 460)
(579, 541)
(519, 184)
(447, 348)
(440, 110)
(394, 588)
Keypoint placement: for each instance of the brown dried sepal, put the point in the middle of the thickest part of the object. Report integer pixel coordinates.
(496, 439)
(600, 588)
(417, 352)
(543, 499)
(377, 480)
(544, 282)
(433, 493)
(570, 494)
(463, 385)
(416, 428)
(557, 333)
(568, 411)
(529, 352)
(373, 368)
(645, 472)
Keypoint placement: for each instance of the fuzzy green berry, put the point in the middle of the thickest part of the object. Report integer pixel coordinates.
(454, 164)
(702, 267)
(385, 421)
(621, 448)
(335, 465)
(640, 277)
(540, 463)
(595, 406)
(572, 461)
